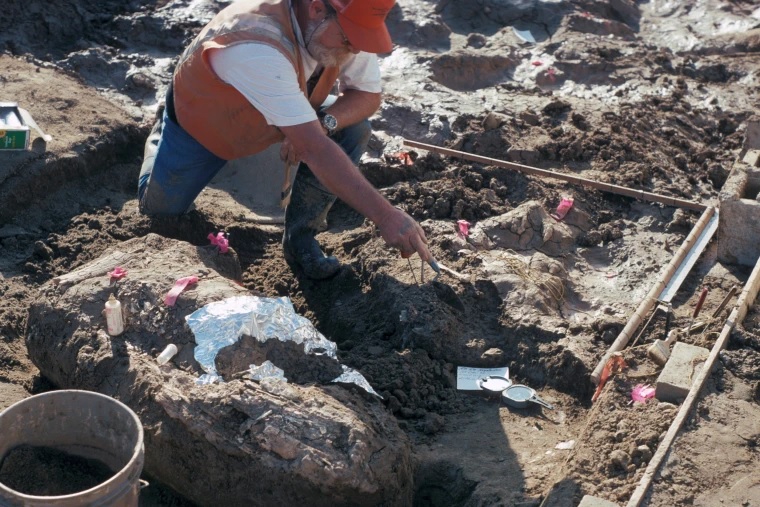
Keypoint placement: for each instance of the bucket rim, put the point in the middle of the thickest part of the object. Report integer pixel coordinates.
(137, 455)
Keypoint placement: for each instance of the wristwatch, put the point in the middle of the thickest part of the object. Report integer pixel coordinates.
(328, 121)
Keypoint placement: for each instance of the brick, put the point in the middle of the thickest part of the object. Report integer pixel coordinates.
(752, 158)
(682, 367)
(592, 501)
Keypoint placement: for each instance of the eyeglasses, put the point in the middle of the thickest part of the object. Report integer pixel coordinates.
(346, 42)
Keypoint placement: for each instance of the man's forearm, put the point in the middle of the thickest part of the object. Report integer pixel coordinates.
(335, 170)
(340, 176)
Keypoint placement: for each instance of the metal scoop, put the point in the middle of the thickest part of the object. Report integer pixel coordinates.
(519, 396)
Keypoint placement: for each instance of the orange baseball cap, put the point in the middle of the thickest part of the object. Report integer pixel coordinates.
(363, 22)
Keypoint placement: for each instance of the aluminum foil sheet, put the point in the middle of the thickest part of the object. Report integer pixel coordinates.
(222, 323)
(276, 318)
(267, 370)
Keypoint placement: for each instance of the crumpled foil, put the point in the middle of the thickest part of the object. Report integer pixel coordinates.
(351, 376)
(267, 370)
(222, 323)
(276, 318)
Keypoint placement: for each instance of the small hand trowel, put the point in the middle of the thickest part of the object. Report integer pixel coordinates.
(444, 292)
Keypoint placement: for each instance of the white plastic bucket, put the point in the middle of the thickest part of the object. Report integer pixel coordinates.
(80, 423)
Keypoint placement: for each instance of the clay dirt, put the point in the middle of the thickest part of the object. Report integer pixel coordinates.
(654, 96)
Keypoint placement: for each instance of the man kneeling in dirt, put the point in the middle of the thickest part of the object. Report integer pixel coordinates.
(244, 83)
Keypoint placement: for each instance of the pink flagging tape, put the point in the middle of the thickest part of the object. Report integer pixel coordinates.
(563, 208)
(464, 228)
(642, 392)
(220, 241)
(118, 273)
(179, 286)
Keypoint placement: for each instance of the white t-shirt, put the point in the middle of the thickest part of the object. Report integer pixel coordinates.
(267, 79)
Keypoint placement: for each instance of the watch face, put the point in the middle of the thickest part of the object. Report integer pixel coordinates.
(330, 122)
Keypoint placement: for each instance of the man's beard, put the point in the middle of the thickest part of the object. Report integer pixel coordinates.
(329, 57)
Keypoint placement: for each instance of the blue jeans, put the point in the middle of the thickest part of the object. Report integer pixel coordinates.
(176, 167)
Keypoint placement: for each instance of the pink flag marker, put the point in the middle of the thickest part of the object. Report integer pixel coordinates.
(118, 273)
(464, 228)
(220, 241)
(179, 286)
(641, 393)
(563, 208)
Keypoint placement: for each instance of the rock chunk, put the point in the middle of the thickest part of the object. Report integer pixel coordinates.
(256, 444)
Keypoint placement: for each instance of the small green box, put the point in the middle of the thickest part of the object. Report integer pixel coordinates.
(14, 132)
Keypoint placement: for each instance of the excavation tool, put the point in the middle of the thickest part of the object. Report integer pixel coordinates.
(664, 307)
(659, 352)
(519, 396)
(494, 385)
(444, 291)
(433, 265)
(725, 301)
(412, 270)
(697, 308)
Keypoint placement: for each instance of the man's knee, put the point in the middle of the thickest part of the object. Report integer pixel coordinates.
(160, 194)
(153, 201)
(359, 132)
(354, 139)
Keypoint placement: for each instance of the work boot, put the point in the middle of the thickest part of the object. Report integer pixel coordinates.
(304, 217)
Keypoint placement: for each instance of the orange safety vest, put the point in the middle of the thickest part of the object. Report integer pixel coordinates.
(214, 112)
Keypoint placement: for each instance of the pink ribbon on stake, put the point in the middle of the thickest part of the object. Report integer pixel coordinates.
(220, 241)
(179, 286)
(563, 208)
(118, 273)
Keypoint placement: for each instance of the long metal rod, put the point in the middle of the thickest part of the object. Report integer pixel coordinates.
(651, 298)
(685, 267)
(746, 300)
(607, 187)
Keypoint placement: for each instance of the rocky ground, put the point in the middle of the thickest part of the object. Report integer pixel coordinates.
(649, 95)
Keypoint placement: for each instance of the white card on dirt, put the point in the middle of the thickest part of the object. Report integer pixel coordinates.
(467, 378)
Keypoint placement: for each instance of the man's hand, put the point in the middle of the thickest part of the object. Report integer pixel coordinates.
(401, 231)
(288, 153)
